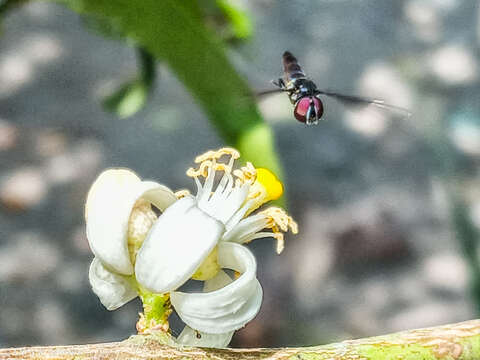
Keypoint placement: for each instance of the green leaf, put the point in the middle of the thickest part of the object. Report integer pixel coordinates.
(132, 96)
(127, 100)
(241, 25)
(174, 32)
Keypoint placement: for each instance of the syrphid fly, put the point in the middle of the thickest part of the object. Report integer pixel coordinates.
(306, 97)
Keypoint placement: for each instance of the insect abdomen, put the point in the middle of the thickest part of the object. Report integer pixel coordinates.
(290, 66)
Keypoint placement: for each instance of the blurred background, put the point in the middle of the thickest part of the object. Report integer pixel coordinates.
(388, 206)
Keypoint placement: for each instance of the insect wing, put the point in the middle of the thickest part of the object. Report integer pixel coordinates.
(268, 92)
(358, 100)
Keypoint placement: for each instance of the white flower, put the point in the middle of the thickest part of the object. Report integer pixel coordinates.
(137, 253)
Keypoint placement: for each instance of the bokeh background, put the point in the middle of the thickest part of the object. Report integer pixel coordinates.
(388, 206)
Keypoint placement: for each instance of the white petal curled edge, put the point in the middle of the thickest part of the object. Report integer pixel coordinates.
(191, 337)
(230, 307)
(113, 290)
(176, 245)
(229, 322)
(107, 211)
(229, 298)
(217, 282)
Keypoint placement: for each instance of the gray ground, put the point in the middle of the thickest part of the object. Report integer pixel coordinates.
(375, 252)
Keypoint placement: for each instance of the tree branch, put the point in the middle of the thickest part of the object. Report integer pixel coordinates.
(450, 342)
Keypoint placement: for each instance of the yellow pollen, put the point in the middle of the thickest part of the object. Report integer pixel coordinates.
(217, 154)
(141, 220)
(201, 171)
(246, 174)
(209, 161)
(279, 221)
(182, 193)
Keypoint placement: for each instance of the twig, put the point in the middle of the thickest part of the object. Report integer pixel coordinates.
(450, 342)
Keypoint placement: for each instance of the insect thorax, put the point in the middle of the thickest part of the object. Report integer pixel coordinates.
(300, 87)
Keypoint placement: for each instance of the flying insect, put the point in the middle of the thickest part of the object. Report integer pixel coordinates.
(306, 97)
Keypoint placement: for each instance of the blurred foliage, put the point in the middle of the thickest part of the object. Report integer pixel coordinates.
(183, 35)
(132, 96)
(7, 5)
(455, 172)
(239, 26)
(467, 235)
(229, 21)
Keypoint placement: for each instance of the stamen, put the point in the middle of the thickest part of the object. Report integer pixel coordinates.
(208, 184)
(246, 174)
(199, 187)
(217, 154)
(202, 170)
(279, 221)
(209, 160)
(182, 193)
(224, 199)
(222, 187)
(265, 187)
(239, 215)
(250, 227)
(229, 186)
(280, 242)
(278, 216)
(278, 236)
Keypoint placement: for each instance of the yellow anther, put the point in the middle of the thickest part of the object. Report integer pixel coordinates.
(279, 221)
(209, 161)
(246, 174)
(182, 193)
(217, 154)
(222, 167)
(279, 217)
(202, 170)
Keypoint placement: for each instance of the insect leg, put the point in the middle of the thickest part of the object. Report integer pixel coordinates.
(280, 83)
(311, 113)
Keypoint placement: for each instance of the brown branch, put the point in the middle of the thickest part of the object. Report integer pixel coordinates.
(450, 342)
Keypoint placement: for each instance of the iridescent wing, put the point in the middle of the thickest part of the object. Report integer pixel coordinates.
(268, 92)
(358, 100)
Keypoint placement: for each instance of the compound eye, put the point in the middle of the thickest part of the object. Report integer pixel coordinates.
(302, 105)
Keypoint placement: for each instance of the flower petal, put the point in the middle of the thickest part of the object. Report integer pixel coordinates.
(107, 211)
(192, 337)
(195, 338)
(229, 298)
(113, 290)
(159, 195)
(230, 307)
(217, 282)
(178, 242)
(231, 321)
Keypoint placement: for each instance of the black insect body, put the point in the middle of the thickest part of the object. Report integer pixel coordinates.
(305, 96)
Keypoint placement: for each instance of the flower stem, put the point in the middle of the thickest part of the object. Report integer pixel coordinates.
(156, 310)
